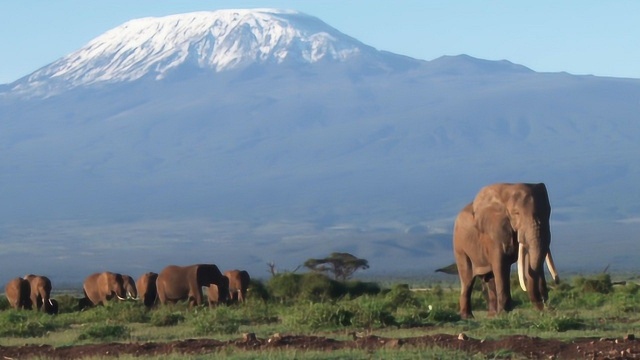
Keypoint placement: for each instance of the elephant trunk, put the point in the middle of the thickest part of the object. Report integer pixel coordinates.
(537, 239)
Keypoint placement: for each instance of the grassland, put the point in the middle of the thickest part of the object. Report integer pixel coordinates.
(580, 307)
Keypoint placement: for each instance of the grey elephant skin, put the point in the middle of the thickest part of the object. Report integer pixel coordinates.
(505, 224)
(176, 283)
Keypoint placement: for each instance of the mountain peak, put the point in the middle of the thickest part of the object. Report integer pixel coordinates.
(216, 40)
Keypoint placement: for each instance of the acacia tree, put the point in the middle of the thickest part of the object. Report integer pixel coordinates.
(341, 265)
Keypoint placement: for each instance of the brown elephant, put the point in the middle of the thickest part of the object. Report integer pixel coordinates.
(238, 284)
(506, 223)
(130, 287)
(216, 297)
(177, 283)
(18, 293)
(40, 293)
(102, 287)
(147, 291)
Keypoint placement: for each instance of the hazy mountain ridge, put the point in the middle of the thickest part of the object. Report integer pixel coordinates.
(372, 152)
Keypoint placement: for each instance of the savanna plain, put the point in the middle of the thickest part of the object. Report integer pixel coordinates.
(310, 316)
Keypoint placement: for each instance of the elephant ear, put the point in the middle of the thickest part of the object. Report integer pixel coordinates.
(493, 221)
(488, 207)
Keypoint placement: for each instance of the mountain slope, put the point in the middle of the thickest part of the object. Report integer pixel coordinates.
(283, 156)
(214, 41)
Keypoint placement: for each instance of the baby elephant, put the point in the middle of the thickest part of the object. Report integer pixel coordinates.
(238, 284)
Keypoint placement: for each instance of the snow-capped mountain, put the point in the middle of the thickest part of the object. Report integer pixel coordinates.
(211, 41)
(263, 135)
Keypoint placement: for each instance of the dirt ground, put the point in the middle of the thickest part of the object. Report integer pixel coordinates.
(517, 345)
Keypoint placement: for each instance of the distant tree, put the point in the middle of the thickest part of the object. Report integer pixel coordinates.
(340, 265)
(450, 269)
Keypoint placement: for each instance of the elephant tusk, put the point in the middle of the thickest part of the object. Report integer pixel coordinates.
(552, 268)
(120, 297)
(50, 302)
(521, 267)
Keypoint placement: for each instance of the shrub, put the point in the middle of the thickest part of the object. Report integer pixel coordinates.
(105, 332)
(4, 303)
(316, 316)
(285, 286)
(319, 287)
(401, 295)
(221, 320)
(600, 284)
(360, 288)
(370, 312)
(510, 320)
(258, 290)
(411, 317)
(630, 288)
(165, 318)
(130, 312)
(441, 315)
(120, 311)
(18, 323)
(67, 304)
(560, 323)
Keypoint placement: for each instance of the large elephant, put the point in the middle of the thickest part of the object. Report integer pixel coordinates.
(40, 293)
(177, 283)
(18, 293)
(238, 284)
(102, 287)
(505, 223)
(146, 286)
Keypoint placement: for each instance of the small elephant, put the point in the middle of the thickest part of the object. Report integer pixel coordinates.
(40, 292)
(18, 293)
(130, 287)
(102, 287)
(147, 291)
(177, 283)
(216, 297)
(238, 284)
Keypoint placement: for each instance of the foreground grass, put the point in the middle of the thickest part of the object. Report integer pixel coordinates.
(579, 308)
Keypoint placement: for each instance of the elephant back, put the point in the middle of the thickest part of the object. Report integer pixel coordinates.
(146, 286)
(18, 291)
(207, 274)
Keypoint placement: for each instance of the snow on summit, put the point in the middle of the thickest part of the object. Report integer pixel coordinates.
(217, 40)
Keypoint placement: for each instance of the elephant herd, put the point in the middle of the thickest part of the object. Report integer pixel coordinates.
(172, 284)
(503, 225)
(31, 292)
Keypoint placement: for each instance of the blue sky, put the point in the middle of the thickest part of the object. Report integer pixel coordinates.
(577, 36)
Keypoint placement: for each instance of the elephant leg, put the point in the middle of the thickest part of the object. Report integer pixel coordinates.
(492, 300)
(466, 285)
(544, 291)
(501, 271)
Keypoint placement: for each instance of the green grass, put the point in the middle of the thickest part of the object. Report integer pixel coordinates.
(581, 307)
